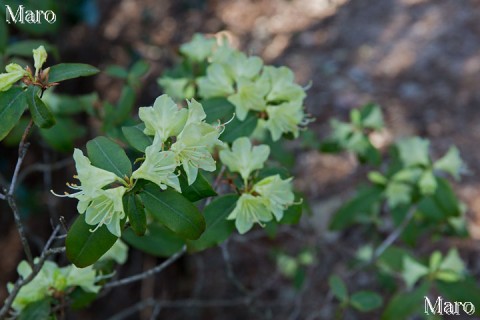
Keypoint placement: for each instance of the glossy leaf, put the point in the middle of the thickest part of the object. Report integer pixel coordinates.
(40, 112)
(139, 68)
(24, 48)
(12, 106)
(237, 128)
(158, 241)
(136, 138)
(36, 310)
(338, 287)
(292, 215)
(406, 304)
(218, 109)
(84, 247)
(117, 71)
(218, 228)
(136, 214)
(63, 134)
(363, 205)
(366, 301)
(174, 211)
(465, 290)
(107, 155)
(125, 104)
(66, 71)
(198, 190)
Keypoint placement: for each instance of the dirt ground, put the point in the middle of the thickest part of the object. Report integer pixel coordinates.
(419, 59)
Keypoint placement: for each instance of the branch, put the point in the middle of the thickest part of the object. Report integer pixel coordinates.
(228, 264)
(47, 252)
(21, 231)
(147, 273)
(394, 235)
(22, 151)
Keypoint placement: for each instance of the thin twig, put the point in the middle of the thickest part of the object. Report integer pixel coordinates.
(147, 273)
(394, 235)
(21, 230)
(387, 242)
(228, 264)
(197, 303)
(156, 311)
(22, 151)
(21, 155)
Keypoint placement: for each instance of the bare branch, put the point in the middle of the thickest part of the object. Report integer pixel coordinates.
(147, 273)
(22, 152)
(2, 197)
(228, 264)
(20, 228)
(395, 234)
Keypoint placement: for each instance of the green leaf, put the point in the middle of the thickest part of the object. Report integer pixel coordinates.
(271, 171)
(25, 48)
(466, 290)
(80, 299)
(158, 241)
(63, 134)
(446, 198)
(36, 310)
(63, 104)
(12, 106)
(139, 69)
(392, 259)
(84, 247)
(136, 214)
(218, 228)
(292, 215)
(117, 71)
(236, 128)
(174, 211)
(338, 287)
(65, 71)
(218, 109)
(366, 301)
(107, 155)
(40, 112)
(136, 138)
(403, 305)
(198, 190)
(125, 104)
(371, 116)
(363, 205)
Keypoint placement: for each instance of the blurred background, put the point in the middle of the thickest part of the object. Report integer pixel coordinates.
(418, 59)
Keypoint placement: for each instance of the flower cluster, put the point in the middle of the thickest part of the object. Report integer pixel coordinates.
(249, 85)
(194, 140)
(51, 280)
(267, 198)
(181, 138)
(15, 72)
